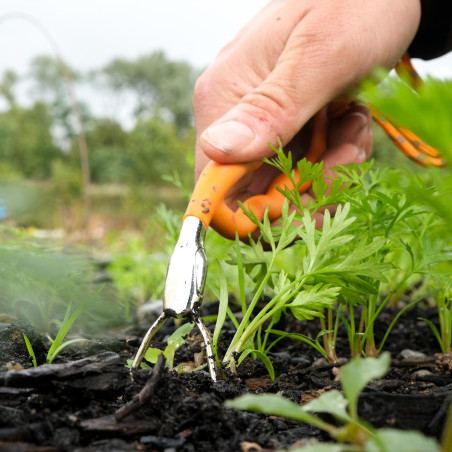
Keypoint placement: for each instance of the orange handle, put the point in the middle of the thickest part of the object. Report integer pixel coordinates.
(409, 143)
(207, 202)
(213, 184)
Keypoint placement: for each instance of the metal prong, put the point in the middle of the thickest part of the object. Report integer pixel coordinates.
(208, 341)
(147, 339)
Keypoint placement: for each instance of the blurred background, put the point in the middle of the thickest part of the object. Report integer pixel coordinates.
(95, 102)
(96, 140)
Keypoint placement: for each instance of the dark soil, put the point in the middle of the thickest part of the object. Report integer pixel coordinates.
(88, 402)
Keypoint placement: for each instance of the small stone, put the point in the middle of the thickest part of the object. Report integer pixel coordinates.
(247, 446)
(300, 361)
(150, 308)
(412, 354)
(320, 362)
(13, 365)
(310, 395)
(421, 373)
(188, 366)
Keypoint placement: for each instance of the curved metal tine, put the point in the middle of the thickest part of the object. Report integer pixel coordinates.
(208, 341)
(147, 339)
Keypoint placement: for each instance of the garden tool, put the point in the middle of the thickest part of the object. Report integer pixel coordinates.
(187, 268)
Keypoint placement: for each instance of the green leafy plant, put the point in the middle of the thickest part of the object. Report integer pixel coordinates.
(39, 277)
(58, 344)
(379, 244)
(174, 342)
(427, 112)
(30, 350)
(444, 333)
(353, 434)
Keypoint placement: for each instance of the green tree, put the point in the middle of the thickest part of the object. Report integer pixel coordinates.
(7, 86)
(160, 87)
(109, 159)
(155, 150)
(52, 82)
(26, 143)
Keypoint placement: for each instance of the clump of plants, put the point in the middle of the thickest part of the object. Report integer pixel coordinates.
(58, 344)
(389, 236)
(379, 243)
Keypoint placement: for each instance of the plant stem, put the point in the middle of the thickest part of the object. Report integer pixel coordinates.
(328, 338)
(352, 333)
(243, 324)
(446, 443)
(371, 349)
(243, 334)
(445, 321)
(362, 323)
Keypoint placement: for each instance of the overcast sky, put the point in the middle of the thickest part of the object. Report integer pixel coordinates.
(89, 33)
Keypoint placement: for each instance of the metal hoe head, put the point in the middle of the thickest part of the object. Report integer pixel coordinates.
(184, 288)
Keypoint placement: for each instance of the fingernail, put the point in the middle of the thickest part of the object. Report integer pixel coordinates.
(361, 135)
(229, 136)
(361, 156)
(360, 121)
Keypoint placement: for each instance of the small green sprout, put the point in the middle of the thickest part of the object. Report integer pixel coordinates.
(174, 342)
(58, 344)
(353, 434)
(30, 350)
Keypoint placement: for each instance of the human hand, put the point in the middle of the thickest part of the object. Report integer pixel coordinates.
(292, 60)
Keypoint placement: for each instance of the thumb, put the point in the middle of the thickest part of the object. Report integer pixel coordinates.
(275, 110)
(261, 118)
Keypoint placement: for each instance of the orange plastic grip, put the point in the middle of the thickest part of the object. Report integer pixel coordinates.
(207, 202)
(213, 184)
(409, 143)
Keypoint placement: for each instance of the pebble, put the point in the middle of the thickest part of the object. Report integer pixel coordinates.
(13, 365)
(300, 361)
(150, 308)
(412, 354)
(421, 373)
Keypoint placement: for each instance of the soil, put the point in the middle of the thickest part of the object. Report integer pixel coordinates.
(87, 400)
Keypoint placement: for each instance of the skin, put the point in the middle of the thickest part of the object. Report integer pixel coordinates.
(291, 61)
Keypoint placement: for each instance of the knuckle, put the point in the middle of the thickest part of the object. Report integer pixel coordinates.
(204, 87)
(270, 103)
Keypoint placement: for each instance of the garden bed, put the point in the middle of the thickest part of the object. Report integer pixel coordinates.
(77, 404)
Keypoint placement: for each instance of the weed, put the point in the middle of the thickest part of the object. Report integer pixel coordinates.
(173, 343)
(353, 434)
(30, 350)
(58, 344)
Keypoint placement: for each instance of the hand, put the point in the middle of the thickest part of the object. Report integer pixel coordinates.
(289, 62)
